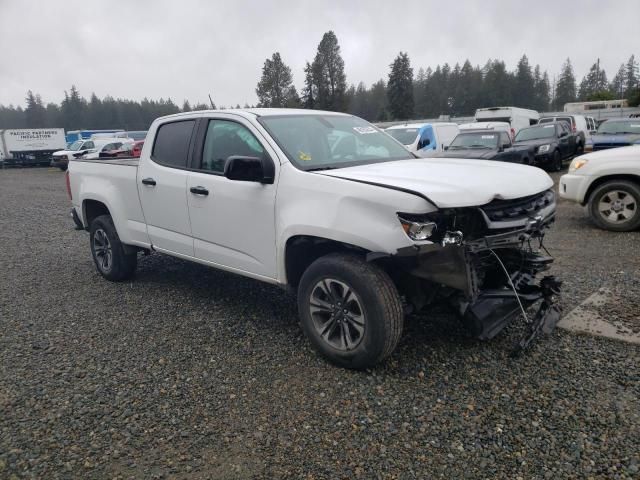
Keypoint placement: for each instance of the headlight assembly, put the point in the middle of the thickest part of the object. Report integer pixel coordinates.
(577, 163)
(418, 230)
(544, 148)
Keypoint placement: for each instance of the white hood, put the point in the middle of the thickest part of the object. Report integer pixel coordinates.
(453, 182)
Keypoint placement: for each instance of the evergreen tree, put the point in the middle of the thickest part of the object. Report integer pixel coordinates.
(565, 87)
(619, 83)
(186, 106)
(35, 112)
(275, 88)
(498, 85)
(594, 83)
(541, 90)
(327, 83)
(632, 83)
(524, 85)
(400, 88)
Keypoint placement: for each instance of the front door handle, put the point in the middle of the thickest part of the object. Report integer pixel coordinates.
(199, 191)
(149, 181)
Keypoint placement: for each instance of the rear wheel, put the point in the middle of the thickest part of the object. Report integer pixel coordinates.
(615, 206)
(350, 310)
(109, 253)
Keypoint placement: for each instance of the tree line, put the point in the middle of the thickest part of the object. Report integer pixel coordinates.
(404, 94)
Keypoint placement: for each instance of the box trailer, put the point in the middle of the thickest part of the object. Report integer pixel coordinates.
(30, 146)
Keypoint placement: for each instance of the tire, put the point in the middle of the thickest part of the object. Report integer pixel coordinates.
(371, 317)
(579, 149)
(63, 168)
(556, 162)
(109, 253)
(615, 205)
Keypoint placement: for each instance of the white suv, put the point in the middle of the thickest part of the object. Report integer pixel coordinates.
(608, 183)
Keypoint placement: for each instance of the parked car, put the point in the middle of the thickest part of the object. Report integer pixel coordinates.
(608, 183)
(128, 149)
(103, 148)
(518, 118)
(362, 230)
(424, 139)
(552, 143)
(74, 135)
(487, 145)
(618, 132)
(579, 126)
(484, 126)
(60, 158)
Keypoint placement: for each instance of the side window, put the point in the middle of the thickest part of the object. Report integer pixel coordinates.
(225, 139)
(171, 146)
(88, 145)
(504, 139)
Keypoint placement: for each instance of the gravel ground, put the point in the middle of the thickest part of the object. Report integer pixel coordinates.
(187, 372)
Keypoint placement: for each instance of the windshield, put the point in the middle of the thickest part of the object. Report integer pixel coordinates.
(76, 145)
(474, 140)
(624, 126)
(314, 142)
(405, 136)
(137, 135)
(535, 133)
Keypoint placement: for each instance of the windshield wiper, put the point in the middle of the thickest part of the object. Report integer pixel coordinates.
(478, 146)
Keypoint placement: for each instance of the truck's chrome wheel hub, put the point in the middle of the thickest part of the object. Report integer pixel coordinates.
(337, 314)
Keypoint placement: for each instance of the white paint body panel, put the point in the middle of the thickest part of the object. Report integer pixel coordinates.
(244, 227)
(615, 161)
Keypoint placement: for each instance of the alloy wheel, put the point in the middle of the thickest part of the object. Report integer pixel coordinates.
(337, 314)
(617, 206)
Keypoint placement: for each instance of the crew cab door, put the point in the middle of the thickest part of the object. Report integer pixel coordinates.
(162, 183)
(232, 221)
(567, 139)
(506, 153)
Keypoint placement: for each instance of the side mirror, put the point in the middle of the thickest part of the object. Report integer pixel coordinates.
(249, 169)
(563, 134)
(447, 147)
(505, 146)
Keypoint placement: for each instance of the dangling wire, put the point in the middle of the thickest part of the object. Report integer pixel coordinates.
(524, 313)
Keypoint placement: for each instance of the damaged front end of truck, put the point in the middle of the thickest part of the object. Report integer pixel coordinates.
(485, 261)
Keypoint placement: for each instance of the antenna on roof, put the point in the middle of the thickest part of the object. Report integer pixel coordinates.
(211, 102)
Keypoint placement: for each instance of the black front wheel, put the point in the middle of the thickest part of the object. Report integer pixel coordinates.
(350, 310)
(109, 253)
(556, 163)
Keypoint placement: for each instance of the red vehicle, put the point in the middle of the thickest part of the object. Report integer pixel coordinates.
(132, 149)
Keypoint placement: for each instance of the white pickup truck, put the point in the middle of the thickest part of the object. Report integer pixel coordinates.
(608, 183)
(334, 209)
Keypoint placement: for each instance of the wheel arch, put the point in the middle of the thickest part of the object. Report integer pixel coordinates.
(92, 209)
(607, 178)
(302, 250)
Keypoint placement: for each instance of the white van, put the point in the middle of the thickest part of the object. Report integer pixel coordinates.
(424, 139)
(518, 118)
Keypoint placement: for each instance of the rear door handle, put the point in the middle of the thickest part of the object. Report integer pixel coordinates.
(199, 191)
(149, 181)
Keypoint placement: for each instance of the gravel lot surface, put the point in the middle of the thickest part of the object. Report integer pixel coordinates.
(187, 372)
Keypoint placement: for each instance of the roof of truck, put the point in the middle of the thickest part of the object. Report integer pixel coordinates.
(258, 112)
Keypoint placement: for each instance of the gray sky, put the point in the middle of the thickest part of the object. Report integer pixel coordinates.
(185, 49)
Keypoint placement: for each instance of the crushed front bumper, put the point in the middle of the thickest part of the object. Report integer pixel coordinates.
(490, 278)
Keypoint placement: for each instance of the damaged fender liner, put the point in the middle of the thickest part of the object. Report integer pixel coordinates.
(488, 299)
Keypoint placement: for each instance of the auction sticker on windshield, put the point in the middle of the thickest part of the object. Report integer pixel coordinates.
(365, 130)
(488, 137)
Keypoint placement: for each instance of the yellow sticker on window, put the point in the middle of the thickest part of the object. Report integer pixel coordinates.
(305, 157)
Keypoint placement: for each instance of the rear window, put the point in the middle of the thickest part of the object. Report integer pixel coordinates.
(171, 146)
